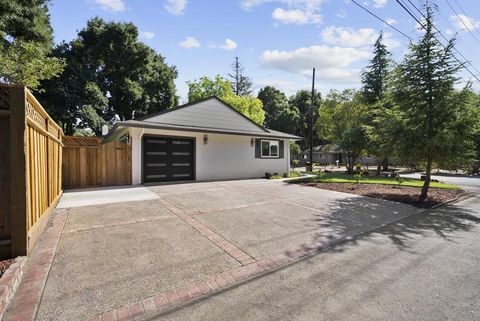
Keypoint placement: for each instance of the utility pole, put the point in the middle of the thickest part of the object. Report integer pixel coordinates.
(311, 120)
(237, 78)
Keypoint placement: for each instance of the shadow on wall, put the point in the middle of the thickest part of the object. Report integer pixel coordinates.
(356, 215)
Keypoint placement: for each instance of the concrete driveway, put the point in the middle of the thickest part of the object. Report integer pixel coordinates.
(121, 251)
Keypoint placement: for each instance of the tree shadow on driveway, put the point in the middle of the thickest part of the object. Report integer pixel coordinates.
(357, 218)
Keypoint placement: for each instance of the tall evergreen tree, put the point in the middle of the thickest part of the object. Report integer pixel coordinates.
(431, 121)
(241, 84)
(374, 77)
(374, 80)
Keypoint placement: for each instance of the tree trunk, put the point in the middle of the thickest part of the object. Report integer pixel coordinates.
(428, 176)
(385, 164)
(379, 168)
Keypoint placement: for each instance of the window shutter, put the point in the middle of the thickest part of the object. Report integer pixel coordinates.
(258, 148)
(280, 149)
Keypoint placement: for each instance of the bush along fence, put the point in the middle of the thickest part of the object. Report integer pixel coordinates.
(30, 169)
(88, 162)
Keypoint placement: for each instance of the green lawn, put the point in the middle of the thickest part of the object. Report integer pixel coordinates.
(347, 178)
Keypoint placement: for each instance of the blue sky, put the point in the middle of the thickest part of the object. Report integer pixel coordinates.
(277, 41)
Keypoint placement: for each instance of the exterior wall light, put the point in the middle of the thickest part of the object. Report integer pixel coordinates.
(205, 139)
(252, 142)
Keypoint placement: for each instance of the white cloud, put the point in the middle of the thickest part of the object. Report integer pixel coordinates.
(295, 16)
(111, 5)
(379, 3)
(341, 14)
(227, 45)
(390, 42)
(342, 36)
(147, 35)
(332, 63)
(463, 22)
(189, 43)
(295, 11)
(289, 87)
(391, 21)
(175, 7)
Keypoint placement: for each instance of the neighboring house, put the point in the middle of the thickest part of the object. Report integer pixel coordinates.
(325, 155)
(204, 140)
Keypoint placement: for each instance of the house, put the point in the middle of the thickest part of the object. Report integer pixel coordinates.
(328, 155)
(203, 140)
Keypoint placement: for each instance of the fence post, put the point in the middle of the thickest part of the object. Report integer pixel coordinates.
(18, 172)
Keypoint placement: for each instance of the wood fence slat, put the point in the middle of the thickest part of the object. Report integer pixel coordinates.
(87, 162)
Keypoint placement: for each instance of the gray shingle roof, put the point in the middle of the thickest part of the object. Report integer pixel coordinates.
(211, 115)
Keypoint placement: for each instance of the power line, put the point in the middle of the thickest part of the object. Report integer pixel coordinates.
(440, 33)
(469, 19)
(382, 20)
(462, 64)
(463, 22)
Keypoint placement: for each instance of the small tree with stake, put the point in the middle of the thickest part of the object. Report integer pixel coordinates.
(430, 122)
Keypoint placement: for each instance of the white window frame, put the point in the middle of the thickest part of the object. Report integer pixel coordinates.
(271, 143)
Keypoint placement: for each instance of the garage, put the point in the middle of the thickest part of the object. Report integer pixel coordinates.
(168, 159)
(202, 141)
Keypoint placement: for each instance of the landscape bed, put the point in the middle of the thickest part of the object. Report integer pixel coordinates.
(385, 188)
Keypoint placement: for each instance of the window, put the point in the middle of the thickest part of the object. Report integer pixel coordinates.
(270, 149)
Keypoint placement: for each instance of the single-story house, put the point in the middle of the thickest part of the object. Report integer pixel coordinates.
(329, 155)
(203, 140)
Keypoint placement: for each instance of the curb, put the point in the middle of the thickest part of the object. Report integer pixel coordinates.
(469, 194)
(9, 282)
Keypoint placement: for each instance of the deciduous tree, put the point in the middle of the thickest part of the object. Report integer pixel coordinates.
(341, 122)
(109, 71)
(26, 39)
(279, 115)
(220, 87)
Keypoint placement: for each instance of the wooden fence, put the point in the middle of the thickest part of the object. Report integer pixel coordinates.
(87, 162)
(30, 160)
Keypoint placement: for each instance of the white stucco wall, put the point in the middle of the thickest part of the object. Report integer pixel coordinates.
(223, 157)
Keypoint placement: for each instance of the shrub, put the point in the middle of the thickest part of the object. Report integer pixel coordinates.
(399, 180)
(358, 178)
(268, 175)
(320, 175)
(294, 174)
(295, 163)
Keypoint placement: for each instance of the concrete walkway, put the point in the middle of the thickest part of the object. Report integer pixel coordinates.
(135, 251)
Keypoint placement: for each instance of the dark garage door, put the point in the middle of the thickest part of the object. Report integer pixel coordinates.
(167, 159)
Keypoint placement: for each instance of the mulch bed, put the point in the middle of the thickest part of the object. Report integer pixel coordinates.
(402, 194)
(4, 264)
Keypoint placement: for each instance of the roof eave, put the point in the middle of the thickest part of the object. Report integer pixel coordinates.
(136, 124)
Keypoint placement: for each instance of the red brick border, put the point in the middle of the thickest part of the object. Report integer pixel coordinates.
(163, 301)
(9, 282)
(216, 239)
(29, 293)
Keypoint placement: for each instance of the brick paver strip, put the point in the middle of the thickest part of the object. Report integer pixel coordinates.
(29, 293)
(216, 239)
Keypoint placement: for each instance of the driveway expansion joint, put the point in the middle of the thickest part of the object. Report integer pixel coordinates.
(228, 247)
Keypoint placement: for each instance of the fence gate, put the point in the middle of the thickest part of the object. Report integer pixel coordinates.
(87, 162)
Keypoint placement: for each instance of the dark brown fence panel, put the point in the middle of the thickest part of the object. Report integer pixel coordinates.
(87, 162)
(30, 159)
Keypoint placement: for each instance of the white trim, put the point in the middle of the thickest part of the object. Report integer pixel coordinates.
(275, 142)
